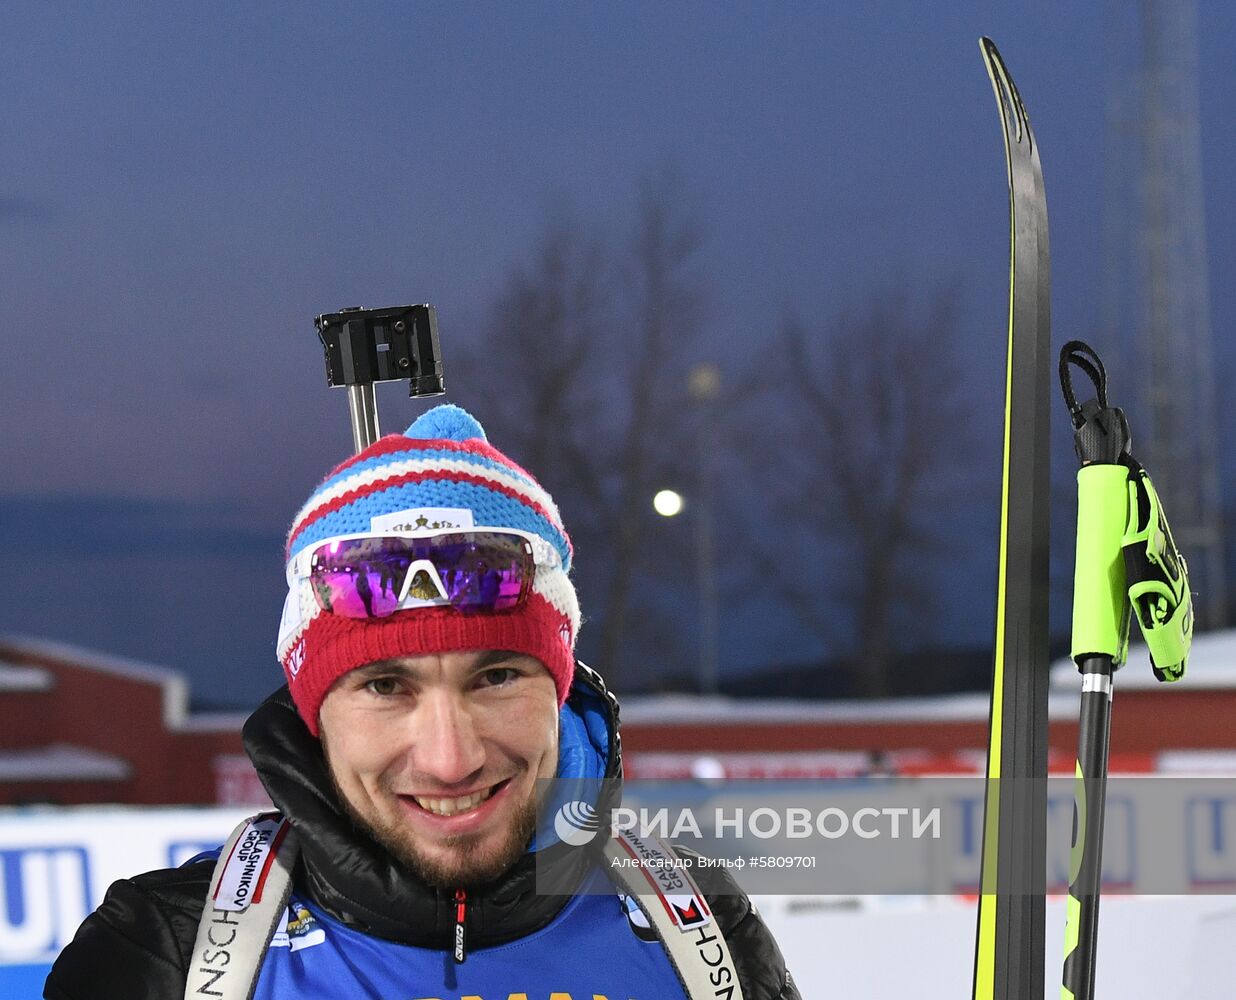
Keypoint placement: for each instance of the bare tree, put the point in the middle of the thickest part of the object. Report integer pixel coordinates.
(662, 293)
(535, 370)
(870, 433)
(583, 366)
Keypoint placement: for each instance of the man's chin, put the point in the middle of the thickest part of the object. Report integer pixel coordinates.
(460, 867)
(457, 862)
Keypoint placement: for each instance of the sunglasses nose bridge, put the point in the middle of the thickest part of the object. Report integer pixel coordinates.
(430, 570)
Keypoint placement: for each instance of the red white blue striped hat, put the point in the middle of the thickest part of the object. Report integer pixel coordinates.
(441, 470)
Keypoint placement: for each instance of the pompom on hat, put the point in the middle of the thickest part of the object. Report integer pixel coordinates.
(441, 471)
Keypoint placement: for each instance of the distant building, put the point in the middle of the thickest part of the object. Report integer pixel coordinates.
(81, 727)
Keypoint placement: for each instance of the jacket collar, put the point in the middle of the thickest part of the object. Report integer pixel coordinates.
(357, 881)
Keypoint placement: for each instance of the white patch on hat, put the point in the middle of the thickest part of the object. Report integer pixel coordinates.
(424, 519)
(291, 620)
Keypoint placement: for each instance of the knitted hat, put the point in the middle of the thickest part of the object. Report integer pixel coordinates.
(441, 472)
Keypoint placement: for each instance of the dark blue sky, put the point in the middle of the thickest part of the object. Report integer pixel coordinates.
(183, 187)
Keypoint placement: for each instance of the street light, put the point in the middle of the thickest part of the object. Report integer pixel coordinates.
(704, 382)
(667, 503)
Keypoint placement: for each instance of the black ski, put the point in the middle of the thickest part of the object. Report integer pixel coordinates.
(1009, 953)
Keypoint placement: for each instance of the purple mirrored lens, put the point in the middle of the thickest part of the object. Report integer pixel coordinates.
(480, 571)
(483, 571)
(359, 578)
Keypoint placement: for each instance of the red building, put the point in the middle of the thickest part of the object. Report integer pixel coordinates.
(78, 726)
(81, 727)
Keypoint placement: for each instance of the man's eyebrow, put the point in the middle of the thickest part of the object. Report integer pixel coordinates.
(394, 668)
(386, 668)
(496, 656)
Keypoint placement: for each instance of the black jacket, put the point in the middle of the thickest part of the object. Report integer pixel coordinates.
(138, 943)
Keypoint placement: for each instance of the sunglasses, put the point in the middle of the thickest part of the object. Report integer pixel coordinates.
(475, 571)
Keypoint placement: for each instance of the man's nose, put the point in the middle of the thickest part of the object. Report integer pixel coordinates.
(447, 747)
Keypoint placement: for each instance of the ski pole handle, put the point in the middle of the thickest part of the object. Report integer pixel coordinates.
(1101, 612)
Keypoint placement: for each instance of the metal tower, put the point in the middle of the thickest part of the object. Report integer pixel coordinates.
(1156, 297)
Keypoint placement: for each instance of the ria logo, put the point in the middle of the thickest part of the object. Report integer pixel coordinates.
(577, 823)
(44, 895)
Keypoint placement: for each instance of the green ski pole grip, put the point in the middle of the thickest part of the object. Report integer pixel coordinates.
(1100, 598)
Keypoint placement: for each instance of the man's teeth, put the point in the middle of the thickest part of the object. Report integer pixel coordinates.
(450, 807)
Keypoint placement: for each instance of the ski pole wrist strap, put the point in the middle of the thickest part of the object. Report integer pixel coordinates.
(652, 873)
(248, 895)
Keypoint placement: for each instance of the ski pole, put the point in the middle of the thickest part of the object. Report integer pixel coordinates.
(1100, 645)
(1126, 562)
(366, 346)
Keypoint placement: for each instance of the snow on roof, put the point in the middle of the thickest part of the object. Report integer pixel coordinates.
(61, 762)
(175, 687)
(685, 709)
(20, 677)
(1211, 664)
(1197, 762)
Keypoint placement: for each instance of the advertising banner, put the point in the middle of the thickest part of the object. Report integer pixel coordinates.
(56, 865)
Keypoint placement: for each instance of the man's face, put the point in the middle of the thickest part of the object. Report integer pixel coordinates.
(438, 756)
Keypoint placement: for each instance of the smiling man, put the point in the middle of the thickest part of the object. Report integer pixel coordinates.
(438, 756)
(432, 698)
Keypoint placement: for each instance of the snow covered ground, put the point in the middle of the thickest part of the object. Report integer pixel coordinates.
(1165, 948)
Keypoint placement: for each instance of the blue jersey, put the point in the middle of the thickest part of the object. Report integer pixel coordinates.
(597, 948)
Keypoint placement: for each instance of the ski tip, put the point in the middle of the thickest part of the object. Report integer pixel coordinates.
(1007, 95)
(992, 56)
(989, 50)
